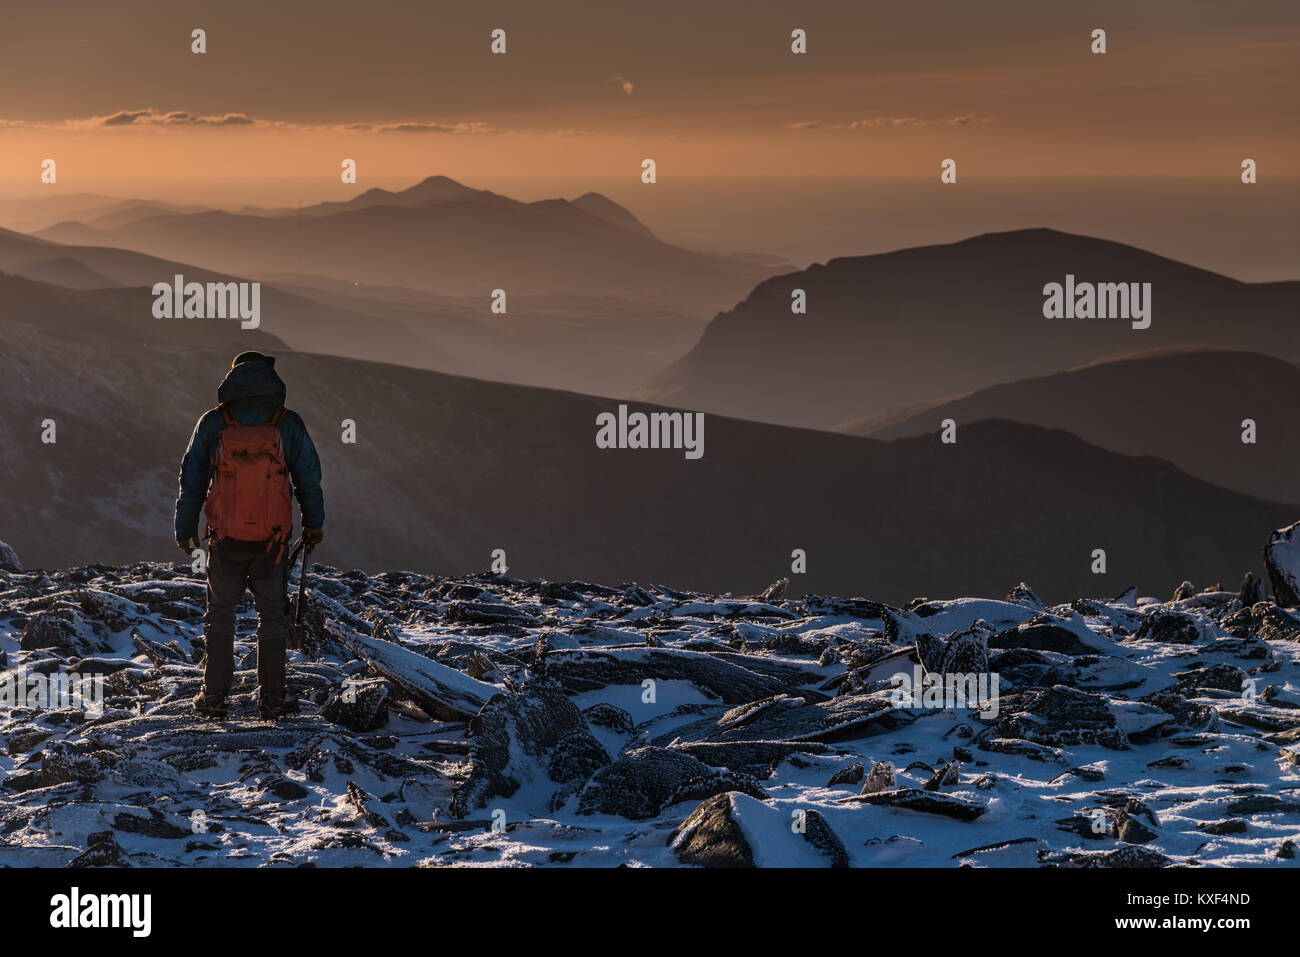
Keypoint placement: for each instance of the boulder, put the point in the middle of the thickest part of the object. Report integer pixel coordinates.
(1127, 856)
(360, 704)
(102, 850)
(577, 756)
(964, 652)
(844, 718)
(1022, 594)
(1263, 620)
(1252, 590)
(62, 763)
(605, 715)
(1061, 716)
(1187, 715)
(1217, 677)
(927, 802)
(850, 607)
(441, 692)
(1231, 825)
(756, 758)
(1024, 749)
(735, 830)
(1282, 559)
(712, 837)
(644, 781)
(487, 613)
(1038, 634)
(851, 775)
(745, 713)
(51, 630)
(1171, 627)
(514, 738)
(580, 670)
(946, 776)
(9, 559)
(880, 779)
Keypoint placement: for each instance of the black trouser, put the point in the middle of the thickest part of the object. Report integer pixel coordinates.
(232, 565)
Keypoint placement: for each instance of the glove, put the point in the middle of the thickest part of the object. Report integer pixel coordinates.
(313, 536)
(187, 545)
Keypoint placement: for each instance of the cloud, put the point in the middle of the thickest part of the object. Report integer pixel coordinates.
(627, 86)
(877, 122)
(454, 128)
(156, 118)
(182, 118)
(123, 118)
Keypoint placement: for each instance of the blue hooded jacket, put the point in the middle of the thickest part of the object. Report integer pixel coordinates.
(251, 390)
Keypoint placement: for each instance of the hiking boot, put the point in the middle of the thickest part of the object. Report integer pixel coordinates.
(277, 705)
(209, 705)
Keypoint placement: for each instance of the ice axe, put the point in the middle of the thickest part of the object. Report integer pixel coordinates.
(295, 632)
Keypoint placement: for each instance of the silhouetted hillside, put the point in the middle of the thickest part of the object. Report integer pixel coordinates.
(911, 326)
(601, 345)
(1187, 407)
(443, 237)
(445, 469)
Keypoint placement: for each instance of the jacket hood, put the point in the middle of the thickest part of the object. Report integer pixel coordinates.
(256, 378)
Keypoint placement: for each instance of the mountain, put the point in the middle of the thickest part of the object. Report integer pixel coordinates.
(40, 212)
(446, 469)
(432, 705)
(889, 330)
(1184, 406)
(64, 271)
(600, 345)
(117, 315)
(446, 238)
(123, 214)
(432, 189)
(597, 344)
(295, 320)
(605, 208)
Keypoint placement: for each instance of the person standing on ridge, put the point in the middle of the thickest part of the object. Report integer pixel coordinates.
(237, 469)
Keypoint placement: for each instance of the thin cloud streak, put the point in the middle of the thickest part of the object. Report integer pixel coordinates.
(879, 122)
(152, 118)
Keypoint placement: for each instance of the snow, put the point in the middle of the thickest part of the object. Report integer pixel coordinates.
(278, 795)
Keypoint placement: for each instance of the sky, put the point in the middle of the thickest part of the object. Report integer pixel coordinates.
(287, 90)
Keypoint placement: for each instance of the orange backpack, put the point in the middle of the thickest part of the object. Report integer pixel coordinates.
(249, 498)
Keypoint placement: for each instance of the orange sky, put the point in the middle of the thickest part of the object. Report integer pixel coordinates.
(114, 95)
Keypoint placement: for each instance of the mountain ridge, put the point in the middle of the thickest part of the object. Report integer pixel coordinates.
(902, 327)
(446, 469)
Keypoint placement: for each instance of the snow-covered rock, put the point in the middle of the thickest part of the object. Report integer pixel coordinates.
(487, 720)
(1282, 558)
(736, 830)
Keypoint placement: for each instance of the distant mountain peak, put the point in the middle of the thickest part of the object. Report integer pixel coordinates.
(921, 314)
(440, 180)
(602, 207)
(436, 187)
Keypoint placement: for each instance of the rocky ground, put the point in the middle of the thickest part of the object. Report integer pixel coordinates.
(489, 721)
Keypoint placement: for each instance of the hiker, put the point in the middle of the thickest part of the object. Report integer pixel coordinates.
(237, 468)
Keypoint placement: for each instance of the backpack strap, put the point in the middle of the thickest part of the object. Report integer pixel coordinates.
(276, 415)
(227, 417)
